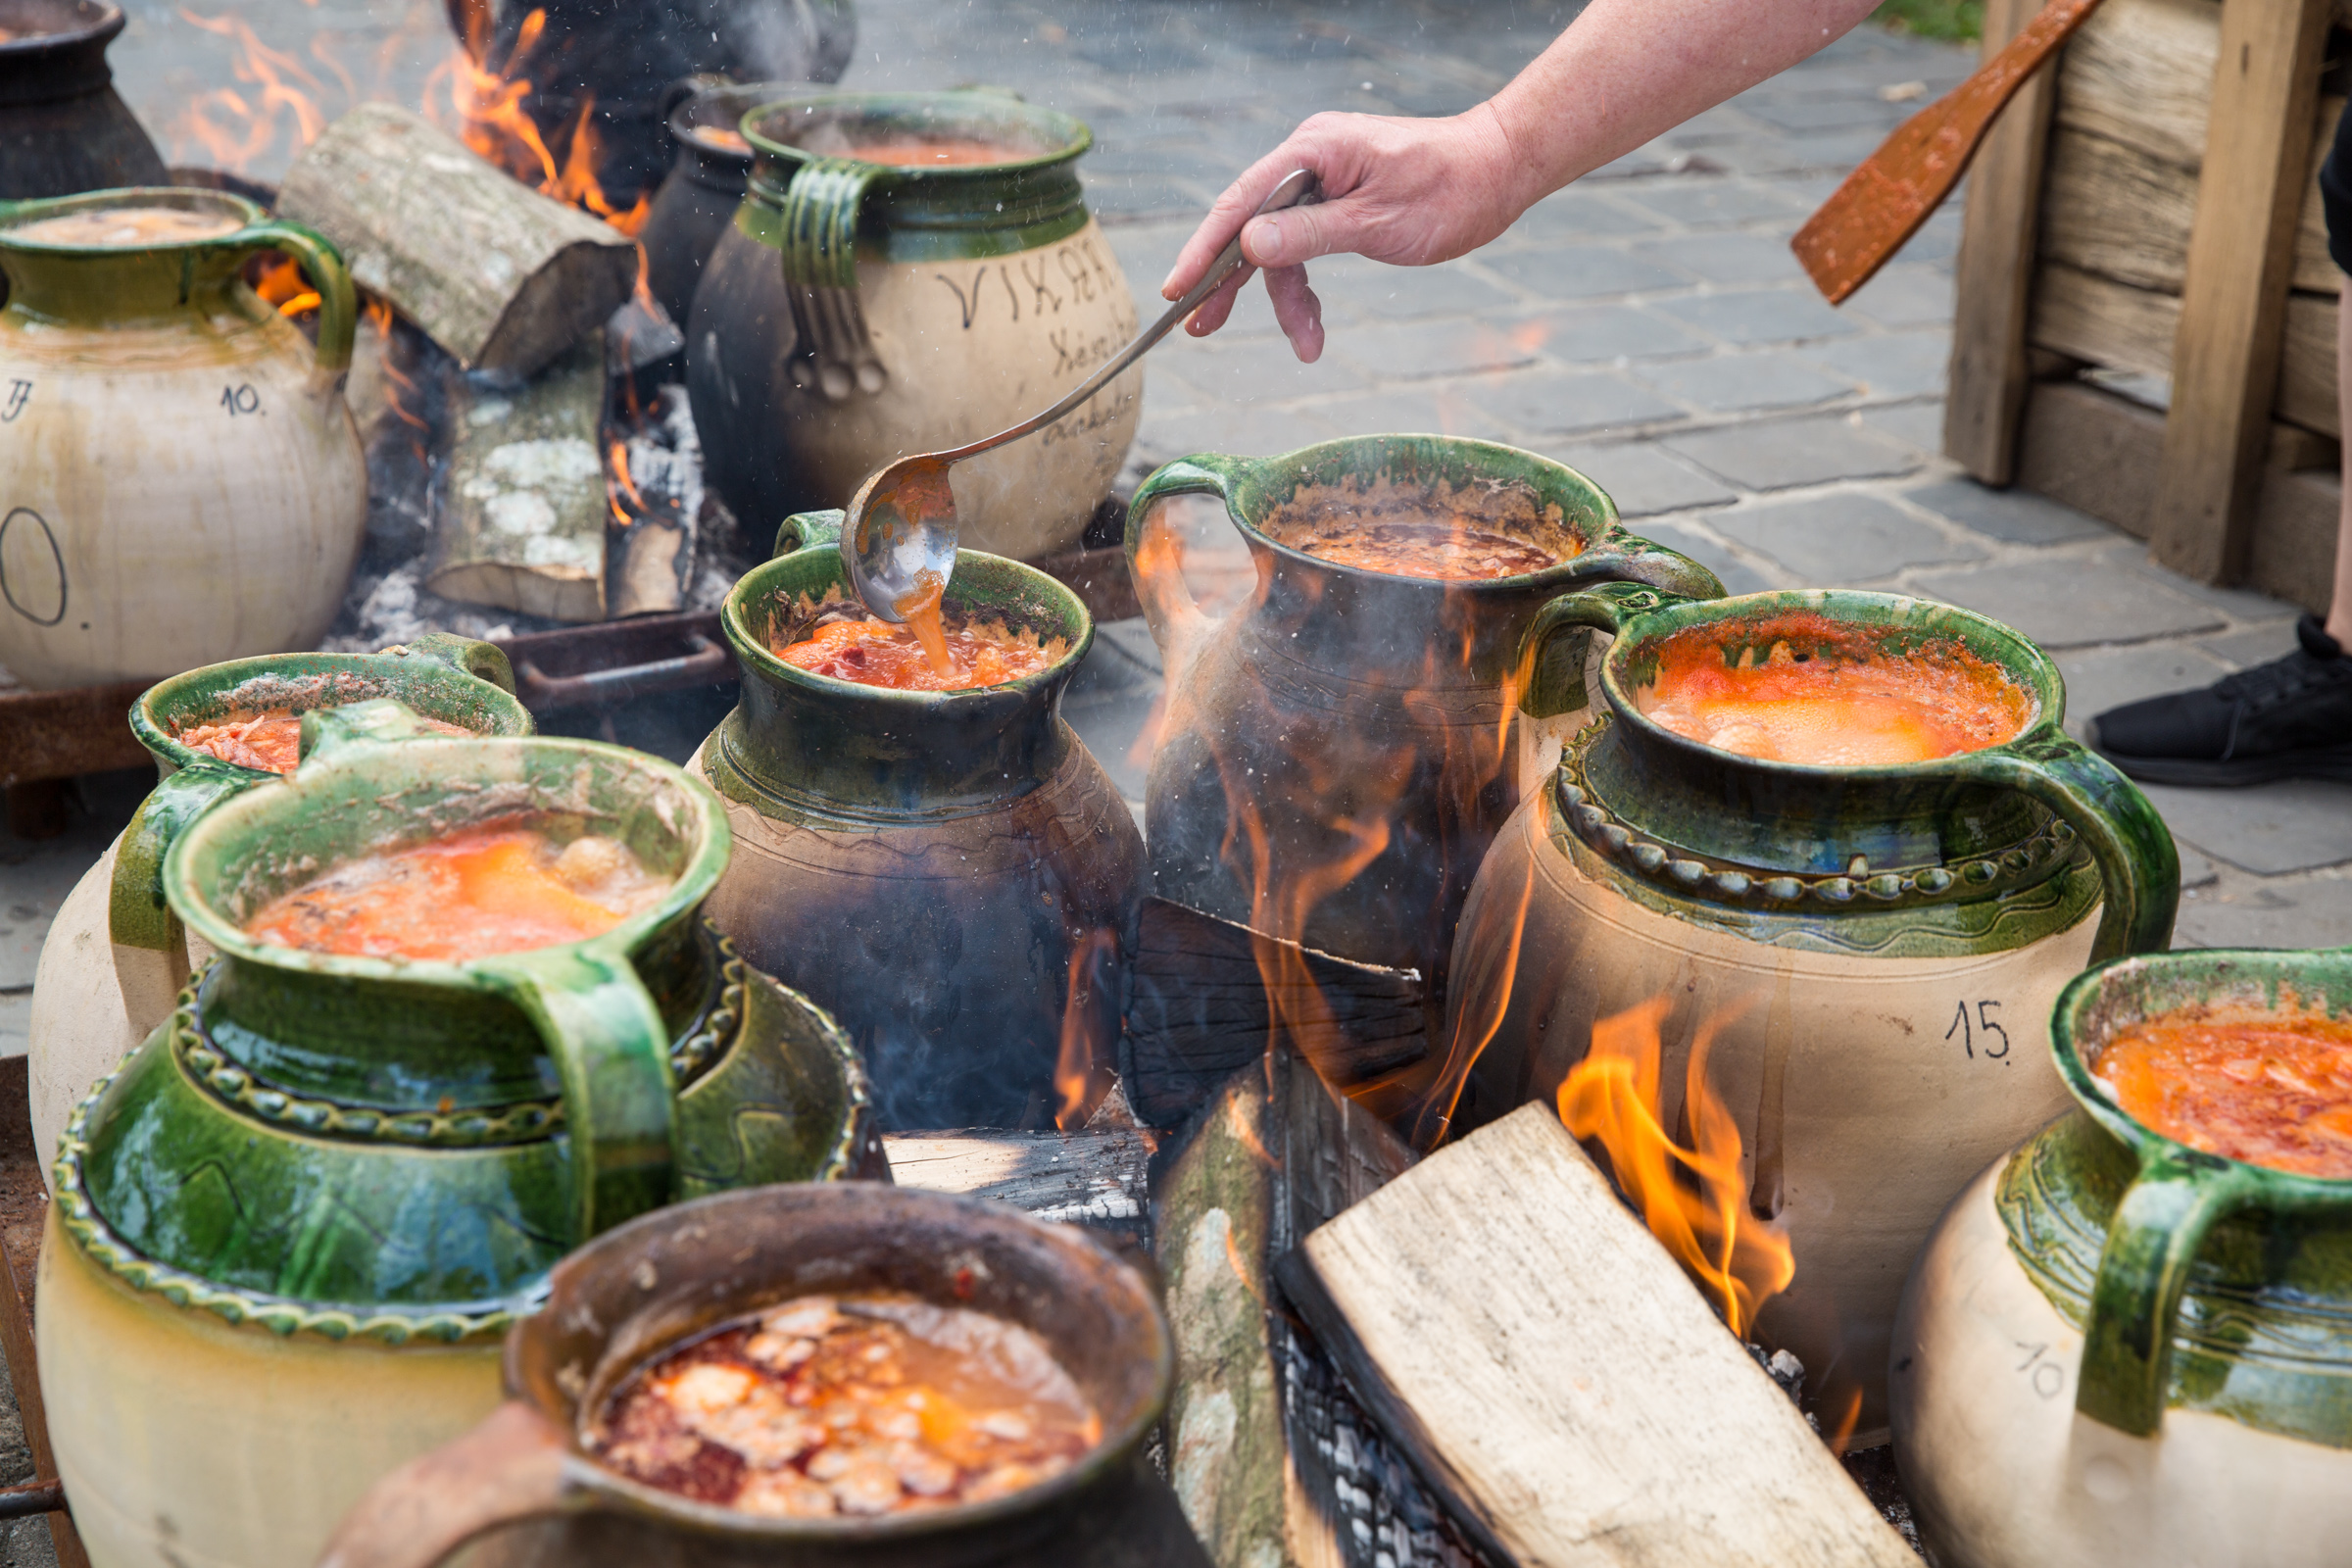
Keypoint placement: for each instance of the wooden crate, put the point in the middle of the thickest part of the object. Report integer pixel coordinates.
(2149, 205)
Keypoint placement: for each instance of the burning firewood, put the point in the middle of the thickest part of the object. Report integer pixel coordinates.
(1094, 1179)
(501, 276)
(521, 524)
(1556, 1377)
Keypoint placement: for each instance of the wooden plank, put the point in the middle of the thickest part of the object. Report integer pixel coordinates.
(2103, 323)
(1095, 1179)
(2295, 537)
(2315, 269)
(2116, 211)
(24, 1203)
(2094, 451)
(1559, 1381)
(1199, 1008)
(82, 729)
(2307, 394)
(1994, 268)
(2233, 307)
(2140, 72)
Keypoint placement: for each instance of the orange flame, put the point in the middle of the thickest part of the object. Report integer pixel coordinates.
(1691, 1196)
(494, 120)
(400, 386)
(617, 454)
(282, 284)
(234, 129)
(1082, 1070)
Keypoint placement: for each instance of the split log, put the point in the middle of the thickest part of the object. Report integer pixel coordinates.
(2140, 72)
(521, 524)
(501, 276)
(1200, 1008)
(1558, 1380)
(1094, 1179)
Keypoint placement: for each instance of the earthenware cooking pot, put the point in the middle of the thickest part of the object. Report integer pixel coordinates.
(63, 129)
(857, 311)
(184, 481)
(951, 873)
(115, 955)
(1338, 753)
(626, 1297)
(290, 1229)
(2118, 1349)
(1875, 949)
(698, 197)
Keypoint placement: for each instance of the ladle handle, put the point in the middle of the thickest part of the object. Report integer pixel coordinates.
(611, 1055)
(510, 1468)
(1156, 559)
(1551, 681)
(2139, 864)
(322, 264)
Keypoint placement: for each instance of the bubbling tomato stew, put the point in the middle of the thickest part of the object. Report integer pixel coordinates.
(1452, 548)
(856, 1405)
(1804, 688)
(2272, 1089)
(272, 741)
(500, 887)
(1431, 529)
(936, 650)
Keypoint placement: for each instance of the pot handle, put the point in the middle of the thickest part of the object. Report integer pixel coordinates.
(510, 1468)
(809, 530)
(833, 353)
(1156, 562)
(151, 946)
(2157, 1231)
(338, 304)
(469, 656)
(2137, 861)
(1550, 677)
(612, 1054)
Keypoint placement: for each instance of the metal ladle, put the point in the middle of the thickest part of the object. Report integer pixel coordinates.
(899, 538)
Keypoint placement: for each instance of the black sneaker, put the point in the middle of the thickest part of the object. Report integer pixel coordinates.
(2288, 719)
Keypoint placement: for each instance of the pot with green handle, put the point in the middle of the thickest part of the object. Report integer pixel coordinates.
(290, 1229)
(1338, 753)
(183, 480)
(115, 955)
(2121, 1349)
(1872, 947)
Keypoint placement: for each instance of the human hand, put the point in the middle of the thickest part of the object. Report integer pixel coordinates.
(1408, 192)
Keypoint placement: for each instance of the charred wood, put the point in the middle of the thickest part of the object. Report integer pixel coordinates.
(1095, 1179)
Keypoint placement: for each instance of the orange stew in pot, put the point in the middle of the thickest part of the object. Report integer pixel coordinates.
(1838, 704)
(923, 655)
(859, 1404)
(498, 888)
(1453, 549)
(272, 741)
(2270, 1090)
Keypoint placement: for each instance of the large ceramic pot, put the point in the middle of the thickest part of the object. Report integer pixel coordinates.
(631, 1293)
(1338, 753)
(857, 311)
(950, 873)
(183, 483)
(610, 67)
(63, 129)
(1873, 949)
(115, 957)
(704, 185)
(2120, 1350)
(290, 1229)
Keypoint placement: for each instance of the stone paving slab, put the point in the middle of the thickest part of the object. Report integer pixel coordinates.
(1785, 454)
(1845, 538)
(2292, 826)
(2013, 517)
(1644, 477)
(2061, 609)
(1748, 383)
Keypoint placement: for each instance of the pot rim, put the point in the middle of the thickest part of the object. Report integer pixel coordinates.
(708, 848)
(1115, 1449)
(1611, 532)
(157, 736)
(109, 21)
(1075, 136)
(2019, 658)
(758, 583)
(681, 124)
(2075, 1022)
(183, 198)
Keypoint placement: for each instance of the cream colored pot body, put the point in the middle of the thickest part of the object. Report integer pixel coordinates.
(1862, 1104)
(174, 493)
(185, 1429)
(2004, 1473)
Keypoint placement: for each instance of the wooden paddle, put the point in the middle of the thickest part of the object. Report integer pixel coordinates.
(1882, 203)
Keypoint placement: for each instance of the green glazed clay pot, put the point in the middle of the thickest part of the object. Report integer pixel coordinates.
(1339, 752)
(856, 312)
(2119, 1349)
(319, 1152)
(950, 873)
(116, 956)
(1873, 949)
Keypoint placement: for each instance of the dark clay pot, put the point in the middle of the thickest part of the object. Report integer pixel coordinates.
(704, 185)
(622, 1301)
(618, 62)
(948, 872)
(63, 129)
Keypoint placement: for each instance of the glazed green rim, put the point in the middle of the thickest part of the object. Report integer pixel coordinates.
(1866, 612)
(15, 215)
(2178, 1192)
(1075, 137)
(762, 586)
(1251, 486)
